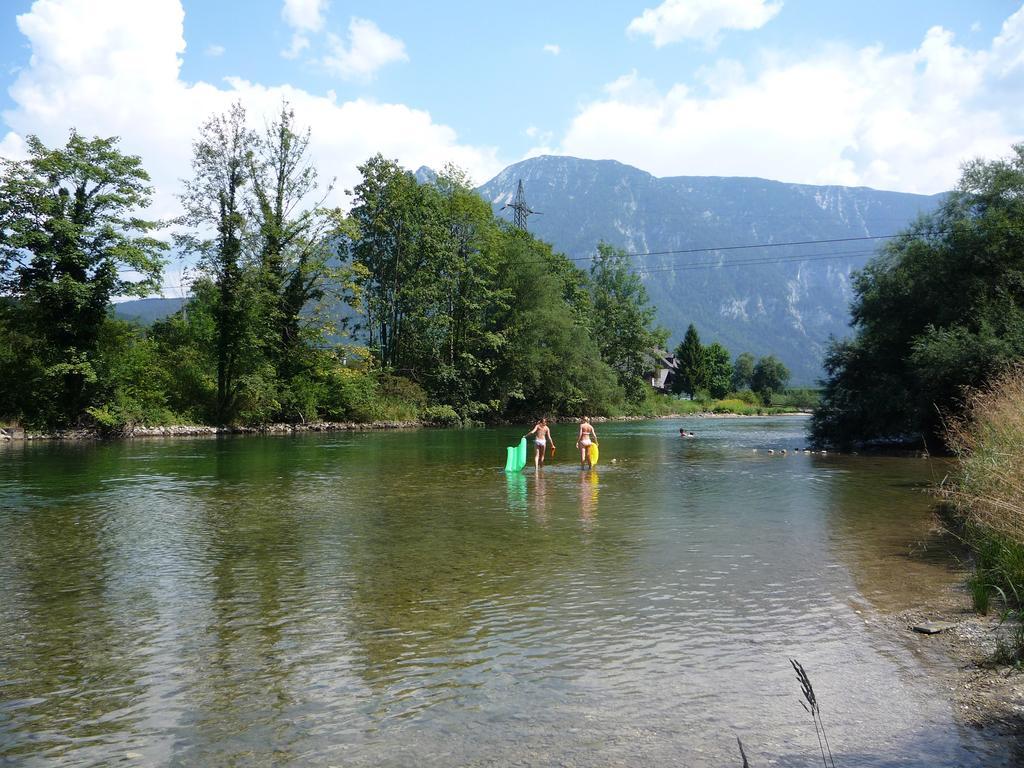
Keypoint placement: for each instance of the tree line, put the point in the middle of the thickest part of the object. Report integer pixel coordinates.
(418, 302)
(709, 369)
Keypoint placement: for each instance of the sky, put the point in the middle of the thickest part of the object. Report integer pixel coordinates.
(891, 95)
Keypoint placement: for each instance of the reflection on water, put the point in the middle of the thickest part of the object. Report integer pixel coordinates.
(396, 599)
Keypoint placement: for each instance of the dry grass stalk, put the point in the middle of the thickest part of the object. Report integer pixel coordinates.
(742, 753)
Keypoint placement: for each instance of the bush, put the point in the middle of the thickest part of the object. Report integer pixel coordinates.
(441, 416)
(803, 398)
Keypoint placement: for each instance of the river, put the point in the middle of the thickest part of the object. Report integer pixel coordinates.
(394, 599)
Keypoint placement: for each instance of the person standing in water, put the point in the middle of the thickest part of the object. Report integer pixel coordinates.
(584, 440)
(541, 435)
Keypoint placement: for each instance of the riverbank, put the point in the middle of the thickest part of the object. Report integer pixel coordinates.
(17, 434)
(982, 694)
(9, 434)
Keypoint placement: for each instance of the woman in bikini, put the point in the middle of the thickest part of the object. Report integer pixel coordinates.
(541, 435)
(584, 440)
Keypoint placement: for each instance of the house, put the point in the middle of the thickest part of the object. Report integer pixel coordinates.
(665, 366)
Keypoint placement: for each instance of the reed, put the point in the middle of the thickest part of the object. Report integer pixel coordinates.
(815, 711)
(987, 494)
(988, 441)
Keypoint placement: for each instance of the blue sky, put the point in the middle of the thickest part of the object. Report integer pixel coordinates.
(887, 94)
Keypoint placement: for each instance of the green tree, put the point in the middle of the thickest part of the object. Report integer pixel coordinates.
(941, 308)
(547, 361)
(718, 370)
(770, 376)
(71, 239)
(215, 200)
(624, 327)
(388, 213)
(742, 372)
(292, 239)
(690, 375)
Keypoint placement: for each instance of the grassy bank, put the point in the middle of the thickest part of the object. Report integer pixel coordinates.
(735, 403)
(987, 492)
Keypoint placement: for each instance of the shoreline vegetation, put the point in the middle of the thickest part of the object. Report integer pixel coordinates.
(128, 432)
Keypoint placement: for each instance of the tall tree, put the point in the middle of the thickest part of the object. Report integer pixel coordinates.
(742, 371)
(717, 370)
(623, 320)
(770, 376)
(71, 238)
(292, 234)
(215, 199)
(690, 374)
(385, 210)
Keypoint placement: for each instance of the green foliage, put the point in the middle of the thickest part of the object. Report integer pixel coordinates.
(69, 235)
(690, 375)
(441, 416)
(770, 376)
(743, 372)
(623, 324)
(133, 379)
(802, 398)
(940, 309)
(718, 370)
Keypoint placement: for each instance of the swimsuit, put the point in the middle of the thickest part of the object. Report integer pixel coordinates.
(540, 442)
(585, 441)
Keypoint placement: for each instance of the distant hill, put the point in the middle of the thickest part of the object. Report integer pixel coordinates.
(147, 311)
(783, 300)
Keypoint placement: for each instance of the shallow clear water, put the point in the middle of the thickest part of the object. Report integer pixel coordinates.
(393, 599)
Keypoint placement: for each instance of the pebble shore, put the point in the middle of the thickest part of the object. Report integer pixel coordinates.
(8, 434)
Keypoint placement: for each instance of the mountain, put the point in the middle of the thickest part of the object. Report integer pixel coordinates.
(784, 300)
(147, 311)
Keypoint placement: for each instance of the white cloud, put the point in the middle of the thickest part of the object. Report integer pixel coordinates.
(304, 15)
(553, 49)
(368, 50)
(299, 43)
(214, 50)
(676, 20)
(902, 120)
(117, 73)
(13, 147)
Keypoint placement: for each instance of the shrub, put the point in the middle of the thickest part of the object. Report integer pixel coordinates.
(441, 416)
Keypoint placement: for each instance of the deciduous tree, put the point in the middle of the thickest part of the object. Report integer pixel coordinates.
(71, 238)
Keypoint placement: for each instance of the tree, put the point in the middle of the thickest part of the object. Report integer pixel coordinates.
(292, 236)
(214, 199)
(940, 309)
(624, 327)
(742, 372)
(770, 376)
(690, 375)
(717, 370)
(388, 213)
(71, 239)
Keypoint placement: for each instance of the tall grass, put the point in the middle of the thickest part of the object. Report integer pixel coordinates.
(987, 492)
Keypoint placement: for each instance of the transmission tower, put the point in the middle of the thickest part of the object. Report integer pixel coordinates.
(522, 210)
